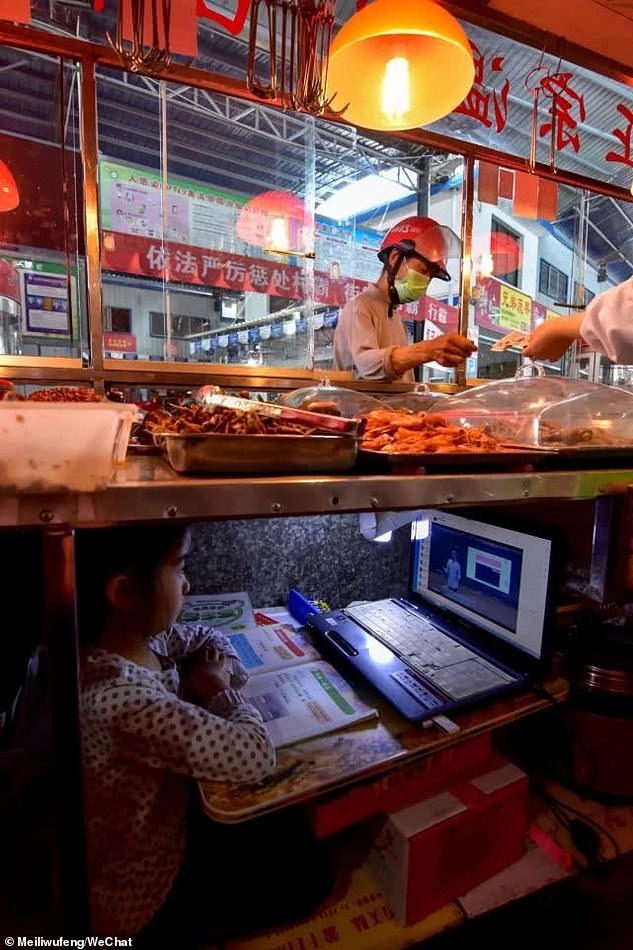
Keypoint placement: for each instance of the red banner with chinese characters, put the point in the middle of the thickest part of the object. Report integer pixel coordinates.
(441, 314)
(185, 263)
(119, 342)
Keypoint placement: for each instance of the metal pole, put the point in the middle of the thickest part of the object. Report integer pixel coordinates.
(468, 196)
(424, 203)
(90, 158)
(60, 636)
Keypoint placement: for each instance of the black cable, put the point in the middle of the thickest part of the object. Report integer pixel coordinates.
(585, 838)
(579, 834)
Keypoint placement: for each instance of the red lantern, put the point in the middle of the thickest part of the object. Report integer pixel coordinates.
(275, 221)
(9, 194)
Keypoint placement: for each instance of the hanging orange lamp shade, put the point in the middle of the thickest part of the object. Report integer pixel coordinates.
(399, 65)
(9, 194)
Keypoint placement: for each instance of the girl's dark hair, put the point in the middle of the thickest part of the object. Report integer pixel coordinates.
(101, 554)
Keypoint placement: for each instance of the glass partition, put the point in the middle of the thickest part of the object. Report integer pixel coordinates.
(540, 250)
(233, 233)
(42, 272)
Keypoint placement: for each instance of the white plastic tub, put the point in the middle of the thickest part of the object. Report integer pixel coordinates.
(60, 447)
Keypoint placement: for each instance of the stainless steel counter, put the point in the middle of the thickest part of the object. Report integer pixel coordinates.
(147, 489)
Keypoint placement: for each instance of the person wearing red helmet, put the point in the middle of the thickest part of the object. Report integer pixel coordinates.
(369, 339)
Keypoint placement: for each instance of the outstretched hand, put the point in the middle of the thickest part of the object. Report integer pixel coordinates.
(450, 349)
(553, 338)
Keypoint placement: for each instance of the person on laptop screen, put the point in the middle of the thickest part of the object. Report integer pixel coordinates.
(453, 571)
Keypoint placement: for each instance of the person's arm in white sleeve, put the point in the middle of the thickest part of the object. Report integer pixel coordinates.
(607, 325)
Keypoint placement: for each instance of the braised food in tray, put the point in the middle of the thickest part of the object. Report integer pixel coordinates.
(212, 397)
(65, 394)
(221, 440)
(550, 413)
(197, 420)
(399, 431)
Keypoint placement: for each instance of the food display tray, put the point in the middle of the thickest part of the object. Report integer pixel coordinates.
(502, 460)
(226, 454)
(588, 452)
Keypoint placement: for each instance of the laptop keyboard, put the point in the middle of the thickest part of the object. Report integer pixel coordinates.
(452, 667)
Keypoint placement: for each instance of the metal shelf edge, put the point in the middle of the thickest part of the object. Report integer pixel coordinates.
(149, 493)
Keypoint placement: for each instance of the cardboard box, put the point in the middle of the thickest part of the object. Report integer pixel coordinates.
(430, 853)
(402, 786)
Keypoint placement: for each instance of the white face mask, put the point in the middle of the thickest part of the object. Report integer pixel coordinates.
(412, 287)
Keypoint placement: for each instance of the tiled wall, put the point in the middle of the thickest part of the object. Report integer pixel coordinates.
(322, 555)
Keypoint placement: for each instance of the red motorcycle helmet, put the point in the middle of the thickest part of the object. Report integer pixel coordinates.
(424, 238)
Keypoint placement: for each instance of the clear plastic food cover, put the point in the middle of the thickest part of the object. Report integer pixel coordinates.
(420, 399)
(546, 412)
(335, 400)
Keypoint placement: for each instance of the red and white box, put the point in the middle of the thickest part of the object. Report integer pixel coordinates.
(430, 853)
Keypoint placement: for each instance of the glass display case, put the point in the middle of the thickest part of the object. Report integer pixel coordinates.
(334, 400)
(420, 399)
(546, 412)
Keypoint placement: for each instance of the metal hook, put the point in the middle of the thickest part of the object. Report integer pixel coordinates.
(155, 57)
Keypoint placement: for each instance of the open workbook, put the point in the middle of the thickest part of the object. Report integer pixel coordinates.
(298, 694)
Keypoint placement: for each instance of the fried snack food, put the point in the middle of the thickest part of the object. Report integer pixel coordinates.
(65, 394)
(553, 434)
(196, 420)
(395, 431)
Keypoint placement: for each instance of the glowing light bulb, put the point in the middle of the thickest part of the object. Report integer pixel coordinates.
(279, 234)
(395, 100)
(486, 265)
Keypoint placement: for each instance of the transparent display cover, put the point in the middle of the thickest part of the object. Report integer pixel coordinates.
(332, 400)
(420, 399)
(546, 412)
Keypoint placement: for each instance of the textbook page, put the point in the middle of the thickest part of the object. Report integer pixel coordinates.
(225, 612)
(305, 701)
(271, 647)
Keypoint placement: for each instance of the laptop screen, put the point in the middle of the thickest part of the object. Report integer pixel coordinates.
(492, 576)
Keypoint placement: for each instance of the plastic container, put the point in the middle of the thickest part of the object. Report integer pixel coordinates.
(547, 412)
(328, 399)
(62, 447)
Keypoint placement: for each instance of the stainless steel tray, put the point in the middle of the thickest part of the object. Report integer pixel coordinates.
(222, 454)
(447, 461)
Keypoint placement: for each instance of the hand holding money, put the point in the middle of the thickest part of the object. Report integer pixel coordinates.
(550, 340)
(514, 338)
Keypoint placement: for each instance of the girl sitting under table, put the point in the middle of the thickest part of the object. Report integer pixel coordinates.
(157, 868)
